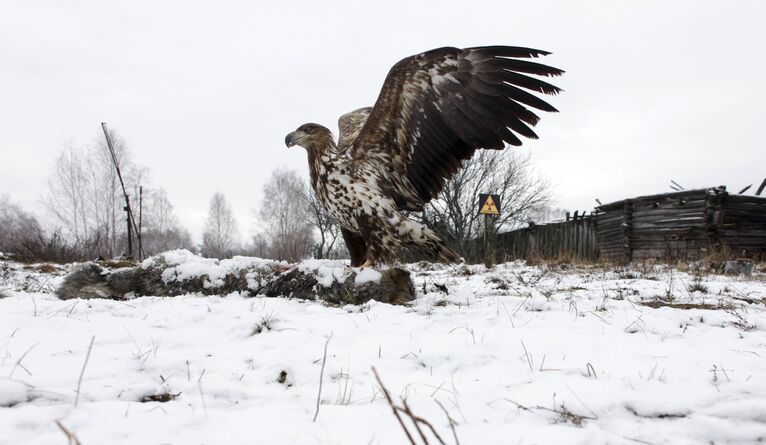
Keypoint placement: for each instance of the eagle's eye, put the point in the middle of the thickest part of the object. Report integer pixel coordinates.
(309, 129)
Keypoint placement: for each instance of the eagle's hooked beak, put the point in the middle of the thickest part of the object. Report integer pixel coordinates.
(289, 139)
(293, 138)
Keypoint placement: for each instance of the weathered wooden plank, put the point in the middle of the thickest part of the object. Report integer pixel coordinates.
(746, 199)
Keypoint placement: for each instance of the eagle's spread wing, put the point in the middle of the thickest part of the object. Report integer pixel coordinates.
(436, 108)
(350, 124)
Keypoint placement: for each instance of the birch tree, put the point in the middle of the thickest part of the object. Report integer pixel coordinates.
(86, 201)
(285, 217)
(221, 235)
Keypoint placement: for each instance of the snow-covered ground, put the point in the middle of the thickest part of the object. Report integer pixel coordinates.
(516, 355)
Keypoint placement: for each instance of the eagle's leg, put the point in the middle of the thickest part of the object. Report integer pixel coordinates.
(356, 246)
(380, 237)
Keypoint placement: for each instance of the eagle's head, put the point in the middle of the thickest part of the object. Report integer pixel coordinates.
(312, 137)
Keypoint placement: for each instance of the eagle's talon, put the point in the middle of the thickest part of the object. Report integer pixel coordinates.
(367, 263)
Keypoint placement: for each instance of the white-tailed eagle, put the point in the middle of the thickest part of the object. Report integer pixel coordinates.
(434, 111)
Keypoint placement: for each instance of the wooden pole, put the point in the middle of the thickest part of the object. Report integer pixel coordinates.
(140, 222)
(131, 222)
(489, 251)
(760, 188)
(130, 228)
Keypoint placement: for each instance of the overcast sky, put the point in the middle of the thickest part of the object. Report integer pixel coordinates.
(205, 92)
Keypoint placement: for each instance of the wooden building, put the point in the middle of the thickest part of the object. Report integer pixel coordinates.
(684, 225)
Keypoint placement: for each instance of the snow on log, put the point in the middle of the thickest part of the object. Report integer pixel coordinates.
(180, 272)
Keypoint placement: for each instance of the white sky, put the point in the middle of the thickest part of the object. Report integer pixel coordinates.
(204, 92)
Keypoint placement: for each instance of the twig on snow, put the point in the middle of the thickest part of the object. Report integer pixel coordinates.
(82, 372)
(417, 421)
(394, 408)
(451, 421)
(70, 436)
(526, 354)
(321, 375)
(18, 362)
(202, 393)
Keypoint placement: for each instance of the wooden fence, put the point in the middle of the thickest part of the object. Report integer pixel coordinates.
(685, 225)
(571, 239)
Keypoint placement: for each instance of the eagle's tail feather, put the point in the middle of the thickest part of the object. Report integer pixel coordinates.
(438, 251)
(424, 240)
(447, 255)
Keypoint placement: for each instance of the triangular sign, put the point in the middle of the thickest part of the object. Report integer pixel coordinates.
(489, 207)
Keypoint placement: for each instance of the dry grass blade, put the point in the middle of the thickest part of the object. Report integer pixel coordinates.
(18, 362)
(202, 392)
(412, 416)
(82, 371)
(526, 354)
(451, 421)
(387, 395)
(70, 436)
(565, 415)
(321, 376)
(417, 421)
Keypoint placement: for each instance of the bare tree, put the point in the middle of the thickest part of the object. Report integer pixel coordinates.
(161, 230)
(260, 246)
(67, 197)
(16, 224)
(108, 200)
(454, 213)
(327, 244)
(221, 235)
(285, 217)
(22, 235)
(85, 198)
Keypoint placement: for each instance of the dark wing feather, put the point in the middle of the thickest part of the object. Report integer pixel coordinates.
(437, 108)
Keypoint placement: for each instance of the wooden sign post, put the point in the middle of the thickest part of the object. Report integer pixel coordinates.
(489, 206)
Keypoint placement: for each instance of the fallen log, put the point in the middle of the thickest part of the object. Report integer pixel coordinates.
(180, 272)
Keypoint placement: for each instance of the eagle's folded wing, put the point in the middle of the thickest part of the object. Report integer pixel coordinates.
(437, 108)
(350, 124)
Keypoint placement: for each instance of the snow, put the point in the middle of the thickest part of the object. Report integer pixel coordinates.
(12, 392)
(29, 278)
(503, 351)
(331, 271)
(366, 276)
(327, 271)
(182, 265)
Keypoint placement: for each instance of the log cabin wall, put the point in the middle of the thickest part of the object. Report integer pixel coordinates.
(740, 225)
(685, 225)
(669, 226)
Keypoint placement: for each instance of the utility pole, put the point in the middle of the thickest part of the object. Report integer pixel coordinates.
(140, 221)
(130, 220)
(130, 229)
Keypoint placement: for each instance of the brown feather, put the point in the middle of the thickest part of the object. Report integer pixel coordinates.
(437, 108)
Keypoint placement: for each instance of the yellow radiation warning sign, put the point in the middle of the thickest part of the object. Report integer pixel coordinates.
(489, 204)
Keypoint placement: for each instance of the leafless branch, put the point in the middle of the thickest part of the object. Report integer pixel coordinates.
(394, 408)
(417, 421)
